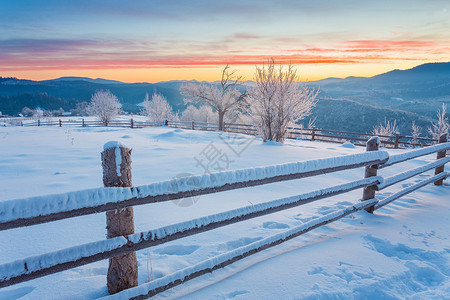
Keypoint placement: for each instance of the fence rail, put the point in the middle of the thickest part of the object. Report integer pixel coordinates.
(36, 210)
(315, 134)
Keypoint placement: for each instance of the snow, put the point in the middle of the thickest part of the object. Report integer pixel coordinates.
(113, 144)
(348, 145)
(410, 188)
(399, 252)
(215, 261)
(412, 172)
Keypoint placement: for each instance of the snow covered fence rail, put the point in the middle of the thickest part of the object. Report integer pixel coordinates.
(398, 158)
(42, 209)
(33, 267)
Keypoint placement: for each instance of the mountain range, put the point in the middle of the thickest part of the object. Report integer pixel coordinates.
(352, 103)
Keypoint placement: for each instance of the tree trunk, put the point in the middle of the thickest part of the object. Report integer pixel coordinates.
(122, 271)
(221, 117)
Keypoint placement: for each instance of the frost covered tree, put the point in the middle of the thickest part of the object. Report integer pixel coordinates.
(279, 100)
(38, 114)
(223, 98)
(442, 125)
(104, 105)
(202, 114)
(158, 109)
(385, 130)
(416, 131)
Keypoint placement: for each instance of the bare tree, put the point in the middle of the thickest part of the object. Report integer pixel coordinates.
(279, 100)
(416, 131)
(223, 97)
(441, 126)
(385, 130)
(158, 109)
(104, 105)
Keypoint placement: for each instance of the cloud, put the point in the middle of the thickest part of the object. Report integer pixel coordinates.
(65, 54)
(246, 36)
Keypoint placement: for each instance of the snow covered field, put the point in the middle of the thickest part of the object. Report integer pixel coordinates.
(401, 251)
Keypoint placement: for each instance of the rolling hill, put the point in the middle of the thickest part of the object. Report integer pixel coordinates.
(353, 103)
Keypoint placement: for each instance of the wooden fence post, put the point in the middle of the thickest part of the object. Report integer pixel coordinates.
(443, 138)
(39, 122)
(60, 124)
(372, 144)
(122, 271)
(193, 125)
(313, 135)
(166, 123)
(397, 138)
(82, 123)
(132, 123)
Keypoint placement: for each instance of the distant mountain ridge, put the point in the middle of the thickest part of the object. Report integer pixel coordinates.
(416, 93)
(97, 80)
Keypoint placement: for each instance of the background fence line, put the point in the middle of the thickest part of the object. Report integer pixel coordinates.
(314, 134)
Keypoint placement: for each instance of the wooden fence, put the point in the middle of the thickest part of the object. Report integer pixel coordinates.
(37, 210)
(315, 134)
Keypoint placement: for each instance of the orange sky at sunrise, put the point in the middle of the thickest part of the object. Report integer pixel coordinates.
(160, 41)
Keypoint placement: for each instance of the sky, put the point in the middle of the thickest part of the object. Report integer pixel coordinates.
(161, 40)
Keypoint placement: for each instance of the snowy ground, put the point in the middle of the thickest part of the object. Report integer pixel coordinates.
(402, 251)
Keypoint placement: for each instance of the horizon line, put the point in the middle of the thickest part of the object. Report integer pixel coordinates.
(162, 81)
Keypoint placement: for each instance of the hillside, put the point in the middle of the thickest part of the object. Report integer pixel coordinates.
(348, 115)
(420, 90)
(402, 95)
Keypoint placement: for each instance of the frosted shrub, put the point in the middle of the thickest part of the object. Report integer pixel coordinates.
(37, 114)
(385, 130)
(104, 105)
(279, 101)
(441, 126)
(158, 109)
(416, 131)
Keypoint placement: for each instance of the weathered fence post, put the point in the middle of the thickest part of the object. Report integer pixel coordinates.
(39, 122)
(21, 123)
(60, 124)
(82, 123)
(443, 138)
(313, 135)
(397, 138)
(193, 125)
(166, 123)
(132, 123)
(106, 123)
(122, 271)
(369, 192)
